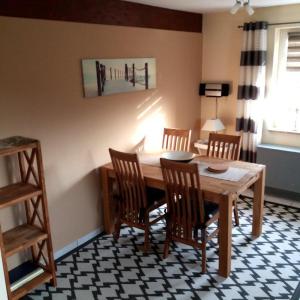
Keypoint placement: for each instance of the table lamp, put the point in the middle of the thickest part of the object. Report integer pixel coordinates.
(213, 125)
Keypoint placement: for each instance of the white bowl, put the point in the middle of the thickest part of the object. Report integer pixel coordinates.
(181, 156)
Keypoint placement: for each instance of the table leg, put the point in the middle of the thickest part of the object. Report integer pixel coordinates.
(106, 196)
(225, 234)
(258, 204)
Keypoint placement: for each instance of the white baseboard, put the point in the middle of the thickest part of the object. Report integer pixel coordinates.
(77, 243)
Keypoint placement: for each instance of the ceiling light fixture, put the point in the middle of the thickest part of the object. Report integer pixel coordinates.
(236, 7)
(242, 3)
(249, 9)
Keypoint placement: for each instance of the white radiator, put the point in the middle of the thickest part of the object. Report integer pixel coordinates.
(283, 166)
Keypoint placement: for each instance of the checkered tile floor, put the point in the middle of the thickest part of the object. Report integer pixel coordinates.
(265, 268)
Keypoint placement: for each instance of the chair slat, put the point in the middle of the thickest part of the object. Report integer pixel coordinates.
(176, 139)
(224, 146)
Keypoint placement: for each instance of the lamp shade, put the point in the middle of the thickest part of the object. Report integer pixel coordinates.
(213, 125)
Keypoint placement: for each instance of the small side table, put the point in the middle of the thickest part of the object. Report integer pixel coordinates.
(201, 146)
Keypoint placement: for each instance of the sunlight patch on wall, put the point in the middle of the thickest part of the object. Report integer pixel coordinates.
(141, 115)
(148, 135)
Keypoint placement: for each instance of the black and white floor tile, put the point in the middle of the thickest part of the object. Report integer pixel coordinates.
(265, 268)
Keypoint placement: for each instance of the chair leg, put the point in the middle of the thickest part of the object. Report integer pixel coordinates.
(236, 214)
(146, 239)
(203, 248)
(167, 241)
(118, 223)
(166, 247)
(117, 230)
(146, 242)
(218, 224)
(196, 234)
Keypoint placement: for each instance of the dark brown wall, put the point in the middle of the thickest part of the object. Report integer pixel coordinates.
(111, 12)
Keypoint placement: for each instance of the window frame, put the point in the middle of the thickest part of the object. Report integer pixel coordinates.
(275, 69)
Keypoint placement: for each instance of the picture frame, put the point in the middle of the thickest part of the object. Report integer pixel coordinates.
(102, 77)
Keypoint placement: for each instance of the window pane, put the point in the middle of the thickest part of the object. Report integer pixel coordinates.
(285, 112)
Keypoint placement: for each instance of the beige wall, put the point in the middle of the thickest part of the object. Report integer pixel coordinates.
(41, 97)
(221, 55)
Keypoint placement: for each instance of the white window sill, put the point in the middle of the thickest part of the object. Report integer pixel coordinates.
(283, 131)
(280, 148)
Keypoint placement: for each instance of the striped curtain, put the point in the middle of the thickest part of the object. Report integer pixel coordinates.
(251, 87)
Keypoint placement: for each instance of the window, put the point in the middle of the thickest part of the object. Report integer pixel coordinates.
(284, 114)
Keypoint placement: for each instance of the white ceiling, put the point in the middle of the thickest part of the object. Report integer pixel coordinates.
(204, 6)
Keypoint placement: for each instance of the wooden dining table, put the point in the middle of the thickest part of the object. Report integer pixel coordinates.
(220, 191)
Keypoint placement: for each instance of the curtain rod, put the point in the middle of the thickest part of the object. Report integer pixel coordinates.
(272, 24)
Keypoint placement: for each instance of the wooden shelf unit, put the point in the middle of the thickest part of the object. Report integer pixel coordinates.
(18, 192)
(27, 287)
(21, 237)
(35, 233)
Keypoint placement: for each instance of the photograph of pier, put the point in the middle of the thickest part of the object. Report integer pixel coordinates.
(103, 77)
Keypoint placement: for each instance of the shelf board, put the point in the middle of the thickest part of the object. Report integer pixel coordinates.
(21, 237)
(16, 144)
(27, 287)
(18, 192)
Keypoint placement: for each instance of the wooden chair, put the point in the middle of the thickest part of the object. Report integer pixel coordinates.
(225, 146)
(135, 201)
(176, 139)
(187, 212)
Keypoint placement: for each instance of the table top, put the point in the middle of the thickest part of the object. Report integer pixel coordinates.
(153, 175)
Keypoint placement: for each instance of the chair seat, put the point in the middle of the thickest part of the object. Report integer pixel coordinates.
(154, 195)
(210, 209)
(151, 193)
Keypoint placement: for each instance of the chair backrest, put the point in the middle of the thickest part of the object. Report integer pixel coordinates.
(224, 146)
(184, 197)
(176, 139)
(131, 184)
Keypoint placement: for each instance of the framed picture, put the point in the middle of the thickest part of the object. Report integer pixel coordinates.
(103, 77)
